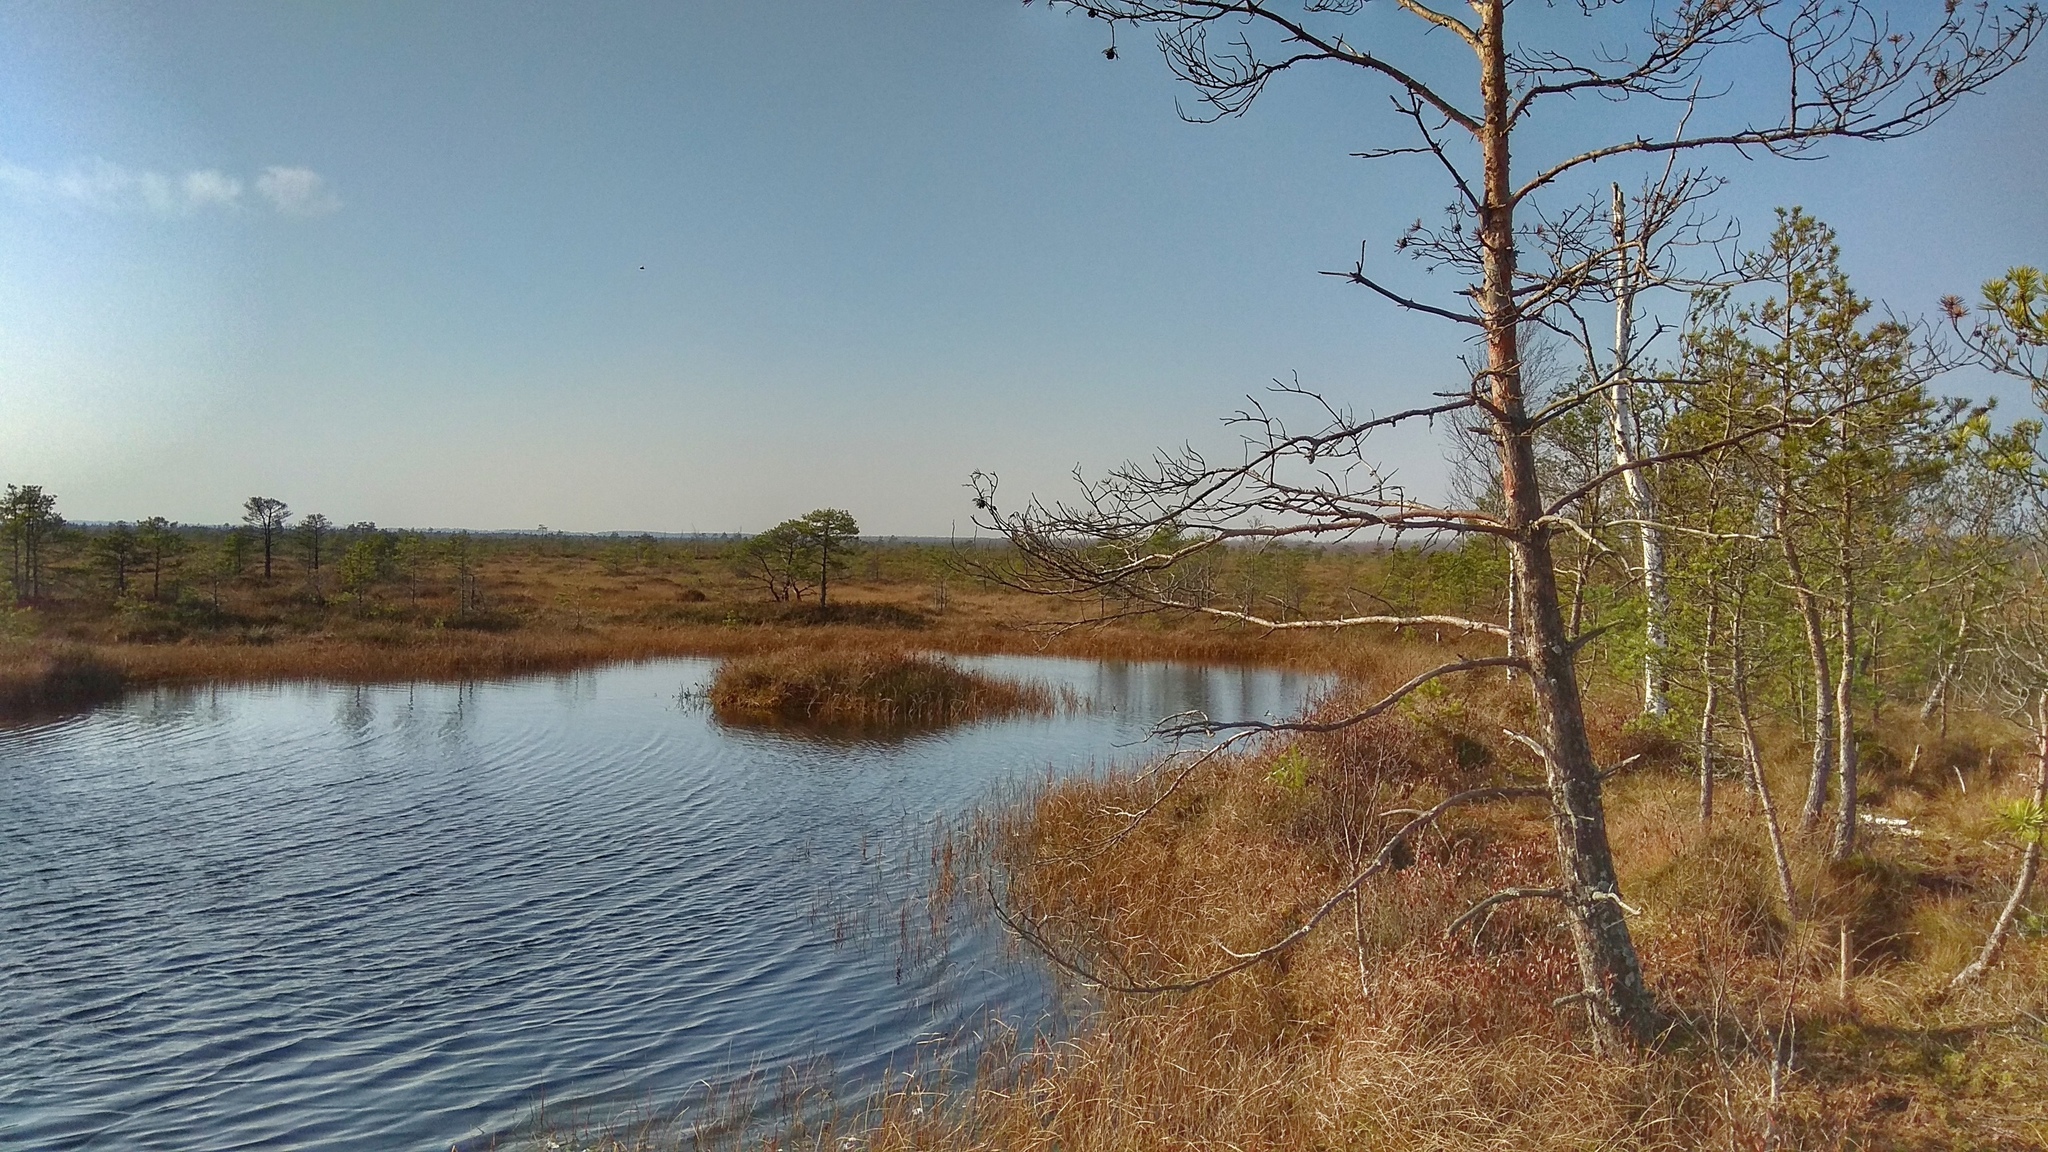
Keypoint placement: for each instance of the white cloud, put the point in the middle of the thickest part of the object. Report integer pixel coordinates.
(104, 187)
(297, 191)
(101, 186)
(211, 186)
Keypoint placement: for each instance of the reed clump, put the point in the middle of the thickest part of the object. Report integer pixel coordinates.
(1385, 1029)
(866, 689)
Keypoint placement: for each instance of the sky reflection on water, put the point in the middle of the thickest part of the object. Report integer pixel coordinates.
(338, 917)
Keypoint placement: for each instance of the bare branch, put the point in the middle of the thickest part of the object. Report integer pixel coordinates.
(1443, 20)
(1483, 910)
(1230, 79)
(1849, 75)
(1357, 276)
(1133, 819)
(1397, 623)
(1669, 65)
(1197, 727)
(1677, 454)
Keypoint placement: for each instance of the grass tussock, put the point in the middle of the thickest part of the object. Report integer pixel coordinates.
(865, 689)
(1386, 1031)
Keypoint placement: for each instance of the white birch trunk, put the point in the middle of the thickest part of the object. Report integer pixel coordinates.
(1628, 448)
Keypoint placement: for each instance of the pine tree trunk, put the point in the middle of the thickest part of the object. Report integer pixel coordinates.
(1822, 668)
(1951, 666)
(1710, 711)
(1753, 755)
(1752, 751)
(1845, 736)
(1610, 972)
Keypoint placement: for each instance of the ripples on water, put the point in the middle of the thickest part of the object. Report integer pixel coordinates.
(334, 917)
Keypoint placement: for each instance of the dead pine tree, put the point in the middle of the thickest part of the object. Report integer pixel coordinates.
(1526, 238)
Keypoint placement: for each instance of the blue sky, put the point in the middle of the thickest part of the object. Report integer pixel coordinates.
(385, 261)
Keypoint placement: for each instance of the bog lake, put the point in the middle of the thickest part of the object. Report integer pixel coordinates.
(322, 916)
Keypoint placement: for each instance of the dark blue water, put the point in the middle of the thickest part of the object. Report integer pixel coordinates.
(336, 917)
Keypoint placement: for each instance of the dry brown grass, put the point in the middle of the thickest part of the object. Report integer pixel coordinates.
(37, 679)
(865, 689)
(1383, 1032)
(550, 606)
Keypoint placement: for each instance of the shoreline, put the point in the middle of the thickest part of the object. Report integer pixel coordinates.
(57, 677)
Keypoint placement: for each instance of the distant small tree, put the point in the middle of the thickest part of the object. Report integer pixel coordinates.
(313, 531)
(941, 566)
(779, 559)
(833, 537)
(117, 552)
(412, 558)
(363, 566)
(463, 555)
(227, 560)
(163, 547)
(268, 518)
(1841, 490)
(28, 519)
(236, 548)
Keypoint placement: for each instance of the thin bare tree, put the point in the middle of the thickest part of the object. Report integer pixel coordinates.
(1631, 265)
(2017, 676)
